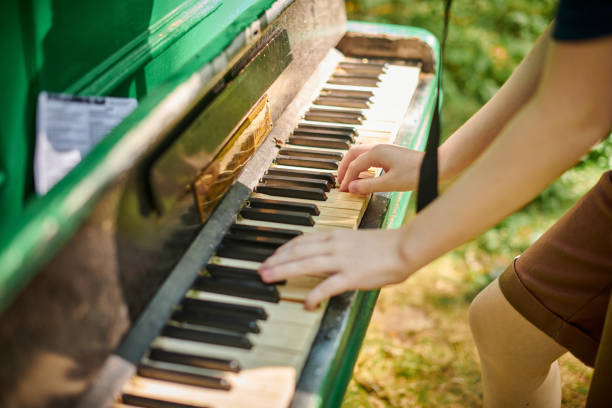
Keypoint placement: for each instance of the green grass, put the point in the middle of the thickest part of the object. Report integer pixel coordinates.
(418, 350)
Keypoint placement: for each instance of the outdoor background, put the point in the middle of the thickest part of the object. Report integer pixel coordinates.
(418, 350)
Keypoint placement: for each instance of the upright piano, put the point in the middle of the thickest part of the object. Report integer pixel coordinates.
(132, 282)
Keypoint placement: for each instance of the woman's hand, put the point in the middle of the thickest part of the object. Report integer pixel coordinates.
(350, 259)
(401, 166)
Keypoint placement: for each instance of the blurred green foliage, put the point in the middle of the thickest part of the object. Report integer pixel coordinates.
(486, 40)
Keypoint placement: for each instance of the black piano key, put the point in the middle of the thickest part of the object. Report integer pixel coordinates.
(222, 271)
(198, 380)
(326, 142)
(353, 74)
(307, 162)
(347, 93)
(144, 402)
(291, 181)
(331, 132)
(324, 134)
(343, 102)
(366, 67)
(331, 129)
(306, 193)
(211, 363)
(282, 205)
(353, 80)
(245, 251)
(264, 231)
(194, 304)
(264, 242)
(207, 336)
(321, 175)
(233, 287)
(314, 154)
(285, 217)
(334, 115)
(225, 322)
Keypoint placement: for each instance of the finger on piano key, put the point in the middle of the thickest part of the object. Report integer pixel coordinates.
(283, 205)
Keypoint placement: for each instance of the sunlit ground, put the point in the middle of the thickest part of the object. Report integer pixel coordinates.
(418, 350)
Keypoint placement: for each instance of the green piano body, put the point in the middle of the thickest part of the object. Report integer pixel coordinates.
(90, 271)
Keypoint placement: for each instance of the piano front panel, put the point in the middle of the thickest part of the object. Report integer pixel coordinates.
(153, 233)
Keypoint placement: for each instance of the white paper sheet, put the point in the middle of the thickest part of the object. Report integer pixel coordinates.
(67, 128)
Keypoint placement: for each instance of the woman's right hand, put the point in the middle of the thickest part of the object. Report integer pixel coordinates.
(401, 166)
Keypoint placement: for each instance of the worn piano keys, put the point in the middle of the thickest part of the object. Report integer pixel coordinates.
(155, 268)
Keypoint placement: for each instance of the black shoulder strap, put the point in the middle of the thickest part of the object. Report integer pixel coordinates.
(428, 175)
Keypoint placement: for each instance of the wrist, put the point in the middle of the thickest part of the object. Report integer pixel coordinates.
(407, 251)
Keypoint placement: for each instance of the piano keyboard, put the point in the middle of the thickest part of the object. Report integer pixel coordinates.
(234, 341)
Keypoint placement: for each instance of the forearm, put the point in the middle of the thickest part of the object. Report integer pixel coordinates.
(506, 177)
(570, 112)
(471, 139)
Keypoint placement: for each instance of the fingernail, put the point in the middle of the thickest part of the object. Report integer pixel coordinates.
(353, 187)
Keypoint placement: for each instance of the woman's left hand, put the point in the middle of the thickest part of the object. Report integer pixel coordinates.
(365, 259)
